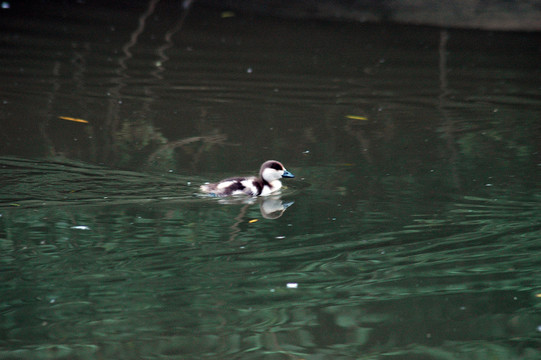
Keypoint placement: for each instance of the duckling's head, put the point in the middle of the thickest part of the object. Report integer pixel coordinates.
(273, 170)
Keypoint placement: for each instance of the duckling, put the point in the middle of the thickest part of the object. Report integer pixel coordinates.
(268, 182)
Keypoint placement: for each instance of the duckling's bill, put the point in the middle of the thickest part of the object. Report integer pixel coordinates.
(287, 174)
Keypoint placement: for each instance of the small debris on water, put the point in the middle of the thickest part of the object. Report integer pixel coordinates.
(80, 227)
(227, 14)
(73, 119)
(356, 117)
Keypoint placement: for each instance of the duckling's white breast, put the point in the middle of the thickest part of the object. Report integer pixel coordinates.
(272, 187)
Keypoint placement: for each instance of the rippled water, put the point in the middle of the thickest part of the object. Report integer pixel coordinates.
(411, 230)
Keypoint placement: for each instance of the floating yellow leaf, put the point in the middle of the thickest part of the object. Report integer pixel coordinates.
(253, 221)
(355, 117)
(13, 204)
(538, 295)
(73, 119)
(227, 14)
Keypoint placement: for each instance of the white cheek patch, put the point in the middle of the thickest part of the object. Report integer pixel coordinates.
(270, 174)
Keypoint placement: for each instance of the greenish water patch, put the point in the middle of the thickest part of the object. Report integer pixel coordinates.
(91, 277)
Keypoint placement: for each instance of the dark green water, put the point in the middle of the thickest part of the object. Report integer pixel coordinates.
(415, 225)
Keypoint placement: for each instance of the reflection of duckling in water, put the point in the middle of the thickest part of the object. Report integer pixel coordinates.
(271, 207)
(268, 182)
